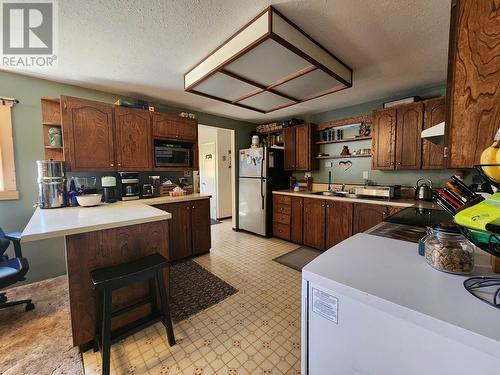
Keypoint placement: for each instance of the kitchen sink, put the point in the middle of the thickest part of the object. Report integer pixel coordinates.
(328, 193)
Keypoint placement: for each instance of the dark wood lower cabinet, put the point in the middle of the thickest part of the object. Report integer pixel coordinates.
(180, 226)
(190, 228)
(323, 223)
(368, 215)
(200, 226)
(314, 223)
(104, 248)
(339, 217)
(297, 220)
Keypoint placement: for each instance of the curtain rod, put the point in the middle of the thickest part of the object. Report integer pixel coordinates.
(12, 100)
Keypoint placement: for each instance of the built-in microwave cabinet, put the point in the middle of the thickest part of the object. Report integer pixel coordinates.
(101, 137)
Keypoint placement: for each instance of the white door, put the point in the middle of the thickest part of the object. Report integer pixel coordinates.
(208, 174)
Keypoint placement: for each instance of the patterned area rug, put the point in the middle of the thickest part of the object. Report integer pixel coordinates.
(298, 258)
(39, 341)
(203, 290)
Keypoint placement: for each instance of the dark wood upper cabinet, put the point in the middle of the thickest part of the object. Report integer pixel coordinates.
(473, 90)
(133, 136)
(289, 144)
(299, 148)
(409, 125)
(88, 135)
(339, 217)
(179, 228)
(432, 153)
(297, 220)
(175, 128)
(368, 215)
(200, 226)
(383, 141)
(314, 223)
(303, 140)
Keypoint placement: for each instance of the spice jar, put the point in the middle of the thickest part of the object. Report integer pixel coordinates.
(446, 249)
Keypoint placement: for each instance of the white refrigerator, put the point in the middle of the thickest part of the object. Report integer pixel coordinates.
(260, 172)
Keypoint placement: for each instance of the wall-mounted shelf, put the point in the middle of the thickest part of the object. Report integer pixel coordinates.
(343, 140)
(50, 123)
(271, 132)
(343, 156)
(53, 147)
(346, 122)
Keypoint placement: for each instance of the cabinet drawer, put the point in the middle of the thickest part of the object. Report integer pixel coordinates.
(281, 218)
(281, 231)
(281, 209)
(282, 199)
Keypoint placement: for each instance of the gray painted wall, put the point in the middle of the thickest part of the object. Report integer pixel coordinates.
(355, 173)
(47, 257)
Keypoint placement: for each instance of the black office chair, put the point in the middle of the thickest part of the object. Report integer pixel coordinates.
(12, 270)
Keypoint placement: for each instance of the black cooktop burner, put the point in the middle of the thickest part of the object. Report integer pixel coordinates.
(420, 217)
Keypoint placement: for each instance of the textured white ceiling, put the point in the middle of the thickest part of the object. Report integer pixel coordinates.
(142, 48)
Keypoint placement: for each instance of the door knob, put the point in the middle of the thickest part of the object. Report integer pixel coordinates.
(111, 165)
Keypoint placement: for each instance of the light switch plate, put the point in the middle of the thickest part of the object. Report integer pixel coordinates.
(328, 164)
(365, 175)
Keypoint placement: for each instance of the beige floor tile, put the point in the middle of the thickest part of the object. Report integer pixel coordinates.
(255, 331)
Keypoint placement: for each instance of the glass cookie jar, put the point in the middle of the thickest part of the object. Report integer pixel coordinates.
(446, 249)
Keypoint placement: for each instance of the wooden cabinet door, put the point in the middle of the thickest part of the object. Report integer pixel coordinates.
(133, 136)
(187, 130)
(339, 216)
(433, 154)
(165, 126)
(297, 220)
(473, 90)
(302, 147)
(314, 223)
(289, 144)
(88, 135)
(179, 229)
(409, 125)
(200, 226)
(383, 141)
(367, 215)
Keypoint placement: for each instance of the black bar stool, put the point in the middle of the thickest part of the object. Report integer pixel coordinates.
(108, 279)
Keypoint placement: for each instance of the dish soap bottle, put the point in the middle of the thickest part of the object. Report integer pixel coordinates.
(72, 193)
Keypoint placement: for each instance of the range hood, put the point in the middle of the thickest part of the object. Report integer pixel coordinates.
(435, 133)
(269, 64)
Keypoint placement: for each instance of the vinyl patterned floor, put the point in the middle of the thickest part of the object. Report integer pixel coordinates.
(255, 331)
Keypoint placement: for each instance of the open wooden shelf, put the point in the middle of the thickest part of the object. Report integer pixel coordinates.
(50, 123)
(271, 132)
(346, 122)
(54, 147)
(343, 140)
(343, 156)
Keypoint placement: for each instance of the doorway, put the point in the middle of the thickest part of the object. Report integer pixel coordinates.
(217, 176)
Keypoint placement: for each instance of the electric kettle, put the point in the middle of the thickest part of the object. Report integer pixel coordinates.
(423, 191)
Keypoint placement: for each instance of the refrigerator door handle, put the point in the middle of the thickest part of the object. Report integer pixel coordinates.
(262, 181)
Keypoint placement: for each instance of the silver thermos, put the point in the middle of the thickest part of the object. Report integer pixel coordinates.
(51, 184)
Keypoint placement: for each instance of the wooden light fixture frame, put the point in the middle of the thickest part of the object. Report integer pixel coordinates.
(273, 87)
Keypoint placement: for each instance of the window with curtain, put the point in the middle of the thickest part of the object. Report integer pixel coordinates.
(8, 188)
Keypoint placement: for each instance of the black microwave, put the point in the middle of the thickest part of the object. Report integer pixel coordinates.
(169, 154)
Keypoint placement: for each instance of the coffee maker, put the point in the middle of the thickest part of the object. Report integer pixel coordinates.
(129, 185)
(108, 184)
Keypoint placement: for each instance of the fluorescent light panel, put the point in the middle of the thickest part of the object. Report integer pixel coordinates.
(269, 64)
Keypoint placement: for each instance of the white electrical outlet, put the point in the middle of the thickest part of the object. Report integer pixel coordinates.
(307, 174)
(328, 164)
(365, 175)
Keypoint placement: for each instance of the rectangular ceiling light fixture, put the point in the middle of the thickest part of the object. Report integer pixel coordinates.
(269, 64)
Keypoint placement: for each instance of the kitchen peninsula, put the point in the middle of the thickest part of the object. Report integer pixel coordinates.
(103, 236)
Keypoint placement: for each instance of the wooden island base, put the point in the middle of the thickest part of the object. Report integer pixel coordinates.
(88, 251)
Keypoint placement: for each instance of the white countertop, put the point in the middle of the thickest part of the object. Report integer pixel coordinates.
(395, 202)
(59, 222)
(389, 275)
